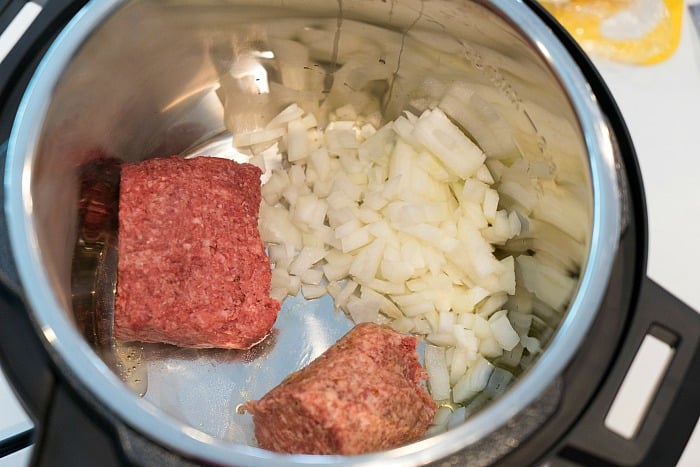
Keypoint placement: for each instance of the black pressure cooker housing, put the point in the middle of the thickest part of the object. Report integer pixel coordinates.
(564, 425)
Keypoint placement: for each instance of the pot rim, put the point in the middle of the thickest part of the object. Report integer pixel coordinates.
(87, 371)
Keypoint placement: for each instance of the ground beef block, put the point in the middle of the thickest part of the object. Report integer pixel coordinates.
(361, 395)
(192, 269)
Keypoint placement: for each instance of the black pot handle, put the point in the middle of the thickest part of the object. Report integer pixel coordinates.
(54, 13)
(23, 359)
(67, 432)
(8, 11)
(27, 364)
(20, 62)
(674, 409)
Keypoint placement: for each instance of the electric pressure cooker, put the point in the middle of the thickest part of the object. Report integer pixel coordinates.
(134, 79)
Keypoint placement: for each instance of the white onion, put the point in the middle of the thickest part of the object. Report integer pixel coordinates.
(399, 224)
(311, 291)
(489, 347)
(307, 257)
(503, 331)
(442, 415)
(438, 375)
(512, 358)
(457, 152)
(289, 113)
(473, 381)
(550, 285)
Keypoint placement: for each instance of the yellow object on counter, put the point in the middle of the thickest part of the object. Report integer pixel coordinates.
(632, 31)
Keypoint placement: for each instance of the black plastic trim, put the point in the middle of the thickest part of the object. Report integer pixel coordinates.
(72, 434)
(16, 442)
(673, 412)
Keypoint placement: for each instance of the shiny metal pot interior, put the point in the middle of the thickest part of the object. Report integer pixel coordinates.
(148, 78)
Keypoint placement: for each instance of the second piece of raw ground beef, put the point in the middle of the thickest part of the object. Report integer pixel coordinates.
(363, 394)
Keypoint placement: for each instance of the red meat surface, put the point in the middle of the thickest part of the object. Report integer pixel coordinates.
(192, 269)
(362, 395)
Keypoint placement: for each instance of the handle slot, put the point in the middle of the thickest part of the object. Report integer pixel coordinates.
(673, 407)
(639, 387)
(17, 26)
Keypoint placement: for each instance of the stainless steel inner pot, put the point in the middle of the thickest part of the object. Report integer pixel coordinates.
(143, 79)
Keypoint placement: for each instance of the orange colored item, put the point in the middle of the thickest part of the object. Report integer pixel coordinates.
(632, 31)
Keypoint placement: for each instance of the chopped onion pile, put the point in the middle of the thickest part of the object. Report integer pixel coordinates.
(399, 225)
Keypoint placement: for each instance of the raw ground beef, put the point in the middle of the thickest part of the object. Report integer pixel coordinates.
(362, 395)
(192, 269)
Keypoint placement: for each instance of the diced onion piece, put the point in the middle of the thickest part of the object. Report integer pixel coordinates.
(438, 375)
(279, 293)
(521, 322)
(526, 197)
(294, 285)
(307, 257)
(257, 137)
(465, 299)
(311, 291)
(297, 141)
(421, 326)
(311, 277)
(474, 190)
(442, 415)
(490, 204)
(442, 339)
(345, 293)
(281, 255)
(506, 280)
(473, 381)
(337, 265)
(512, 358)
(279, 279)
(490, 348)
(386, 306)
(363, 310)
(276, 226)
(386, 287)
(461, 357)
(514, 223)
(550, 285)
(493, 303)
(531, 344)
(457, 152)
(276, 184)
(503, 331)
(404, 325)
(465, 338)
(396, 271)
(366, 262)
(355, 240)
(309, 212)
(289, 113)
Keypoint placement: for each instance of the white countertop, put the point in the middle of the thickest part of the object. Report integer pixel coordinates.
(661, 105)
